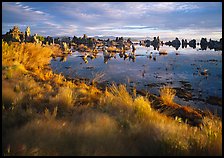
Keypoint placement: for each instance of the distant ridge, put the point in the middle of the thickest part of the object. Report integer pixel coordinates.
(104, 37)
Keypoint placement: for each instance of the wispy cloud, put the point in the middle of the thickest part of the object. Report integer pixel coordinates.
(114, 18)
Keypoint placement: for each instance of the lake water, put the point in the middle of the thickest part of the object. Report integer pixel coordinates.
(181, 69)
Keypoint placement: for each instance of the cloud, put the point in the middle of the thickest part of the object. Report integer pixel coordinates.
(39, 12)
(173, 6)
(113, 18)
(17, 13)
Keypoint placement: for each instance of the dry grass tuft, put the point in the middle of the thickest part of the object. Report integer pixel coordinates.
(142, 107)
(64, 99)
(167, 95)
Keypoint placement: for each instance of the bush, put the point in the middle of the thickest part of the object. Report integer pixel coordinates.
(30, 55)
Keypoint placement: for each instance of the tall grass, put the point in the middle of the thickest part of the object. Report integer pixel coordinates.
(44, 114)
(167, 95)
(115, 126)
(28, 54)
(64, 99)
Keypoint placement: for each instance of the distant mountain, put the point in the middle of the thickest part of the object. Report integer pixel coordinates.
(104, 37)
(114, 37)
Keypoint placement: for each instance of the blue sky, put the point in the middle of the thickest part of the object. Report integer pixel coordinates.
(135, 19)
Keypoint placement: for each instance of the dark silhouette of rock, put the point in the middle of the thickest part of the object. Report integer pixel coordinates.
(155, 42)
(35, 39)
(192, 43)
(176, 43)
(140, 43)
(184, 43)
(168, 43)
(216, 45)
(147, 43)
(129, 41)
(49, 40)
(158, 40)
(14, 35)
(204, 43)
(133, 48)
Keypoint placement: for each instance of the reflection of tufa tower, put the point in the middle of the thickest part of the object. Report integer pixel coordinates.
(27, 34)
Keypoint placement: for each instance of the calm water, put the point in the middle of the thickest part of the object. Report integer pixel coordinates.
(182, 72)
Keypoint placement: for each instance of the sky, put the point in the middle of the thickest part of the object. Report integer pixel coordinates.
(128, 19)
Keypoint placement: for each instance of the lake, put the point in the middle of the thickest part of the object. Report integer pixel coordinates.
(181, 69)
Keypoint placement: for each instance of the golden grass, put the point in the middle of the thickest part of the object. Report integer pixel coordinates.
(64, 98)
(9, 96)
(167, 95)
(30, 55)
(52, 116)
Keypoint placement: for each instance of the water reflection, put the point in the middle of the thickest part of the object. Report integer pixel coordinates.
(64, 58)
(109, 57)
(201, 69)
(204, 44)
(131, 55)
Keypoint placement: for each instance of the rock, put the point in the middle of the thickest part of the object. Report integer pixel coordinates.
(35, 39)
(147, 43)
(204, 43)
(14, 35)
(176, 43)
(204, 73)
(184, 43)
(28, 34)
(217, 45)
(192, 43)
(163, 52)
(156, 43)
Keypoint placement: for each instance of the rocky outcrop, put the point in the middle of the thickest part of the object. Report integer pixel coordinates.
(216, 45)
(147, 43)
(204, 43)
(184, 43)
(35, 39)
(155, 42)
(14, 35)
(176, 43)
(28, 37)
(192, 43)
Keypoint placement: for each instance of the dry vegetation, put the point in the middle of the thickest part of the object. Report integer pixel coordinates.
(167, 95)
(43, 114)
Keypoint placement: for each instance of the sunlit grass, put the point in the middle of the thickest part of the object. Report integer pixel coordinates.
(167, 95)
(43, 114)
(28, 54)
(64, 99)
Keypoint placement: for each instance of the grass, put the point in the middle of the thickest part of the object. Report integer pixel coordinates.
(64, 99)
(43, 114)
(30, 55)
(167, 95)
